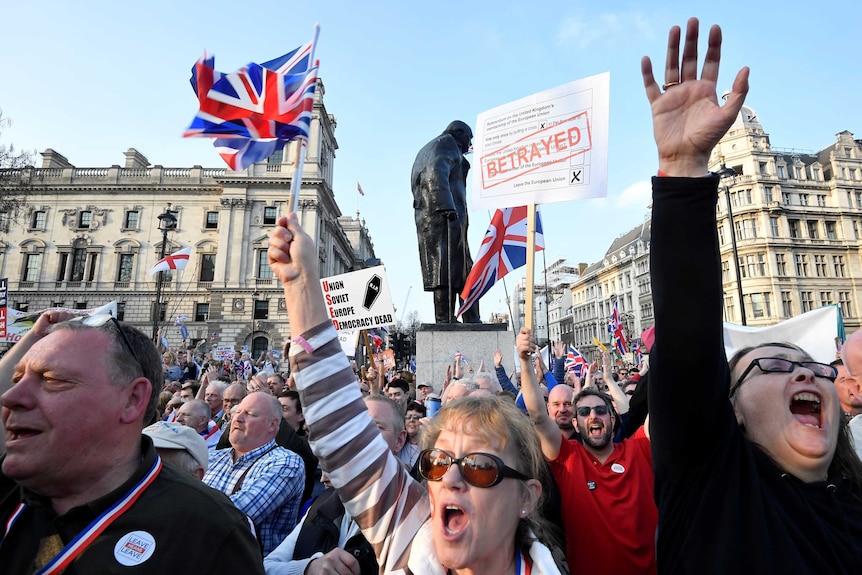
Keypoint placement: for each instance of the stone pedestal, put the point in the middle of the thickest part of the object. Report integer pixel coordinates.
(436, 344)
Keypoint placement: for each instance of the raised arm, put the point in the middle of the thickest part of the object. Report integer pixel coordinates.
(614, 390)
(688, 122)
(549, 434)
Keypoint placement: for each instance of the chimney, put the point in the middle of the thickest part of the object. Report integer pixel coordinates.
(135, 159)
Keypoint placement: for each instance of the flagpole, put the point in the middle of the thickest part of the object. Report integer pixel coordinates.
(531, 265)
(547, 299)
(301, 144)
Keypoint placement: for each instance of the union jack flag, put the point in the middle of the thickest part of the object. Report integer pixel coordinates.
(575, 361)
(376, 340)
(503, 249)
(261, 105)
(615, 328)
(636, 349)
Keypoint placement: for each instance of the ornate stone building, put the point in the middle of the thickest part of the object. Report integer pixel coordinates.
(795, 218)
(91, 236)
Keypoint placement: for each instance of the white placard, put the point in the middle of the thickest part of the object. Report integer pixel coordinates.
(548, 147)
(358, 300)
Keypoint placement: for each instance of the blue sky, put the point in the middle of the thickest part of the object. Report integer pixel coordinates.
(93, 78)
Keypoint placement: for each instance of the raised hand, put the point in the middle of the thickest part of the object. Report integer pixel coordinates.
(687, 118)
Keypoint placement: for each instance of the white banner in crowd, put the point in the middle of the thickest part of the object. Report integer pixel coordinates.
(19, 322)
(548, 147)
(358, 300)
(818, 332)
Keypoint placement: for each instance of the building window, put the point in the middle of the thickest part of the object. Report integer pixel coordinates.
(39, 220)
(121, 310)
(807, 301)
(276, 157)
(780, 265)
(786, 304)
(763, 171)
(22, 306)
(797, 170)
(270, 214)
(759, 304)
(721, 238)
(855, 229)
(820, 266)
(858, 200)
(84, 219)
(773, 227)
(202, 311)
(207, 267)
(761, 264)
(845, 303)
(131, 220)
(32, 266)
(261, 309)
(163, 310)
(126, 267)
(725, 271)
(264, 272)
(767, 194)
(813, 233)
(4, 221)
(825, 298)
(79, 262)
(838, 266)
(815, 173)
(801, 265)
(821, 200)
(794, 228)
(729, 311)
(830, 231)
(212, 221)
(782, 173)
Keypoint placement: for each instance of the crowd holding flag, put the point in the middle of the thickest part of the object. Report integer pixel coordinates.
(257, 109)
(636, 350)
(503, 249)
(575, 361)
(615, 328)
(175, 261)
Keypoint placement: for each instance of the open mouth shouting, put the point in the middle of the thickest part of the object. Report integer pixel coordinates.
(805, 407)
(454, 521)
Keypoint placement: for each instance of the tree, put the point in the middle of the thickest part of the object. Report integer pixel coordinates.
(13, 195)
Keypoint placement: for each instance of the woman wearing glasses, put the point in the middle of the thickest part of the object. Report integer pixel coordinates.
(481, 459)
(765, 481)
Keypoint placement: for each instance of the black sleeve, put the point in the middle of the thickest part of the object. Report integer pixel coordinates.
(688, 385)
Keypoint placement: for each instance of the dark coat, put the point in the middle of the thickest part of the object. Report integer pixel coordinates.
(439, 184)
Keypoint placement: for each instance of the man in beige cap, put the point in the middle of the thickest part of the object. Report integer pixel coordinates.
(180, 446)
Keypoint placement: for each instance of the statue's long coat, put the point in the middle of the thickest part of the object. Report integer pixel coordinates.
(439, 183)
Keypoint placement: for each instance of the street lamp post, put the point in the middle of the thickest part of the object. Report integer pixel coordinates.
(254, 296)
(725, 172)
(167, 222)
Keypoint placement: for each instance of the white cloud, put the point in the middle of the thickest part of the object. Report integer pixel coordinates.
(638, 194)
(584, 30)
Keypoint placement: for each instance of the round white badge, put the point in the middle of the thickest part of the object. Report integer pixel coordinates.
(134, 548)
(617, 468)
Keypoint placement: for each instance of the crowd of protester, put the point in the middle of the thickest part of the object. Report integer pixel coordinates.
(683, 463)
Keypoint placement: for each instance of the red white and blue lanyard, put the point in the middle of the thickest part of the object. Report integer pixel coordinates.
(83, 540)
(522, 565)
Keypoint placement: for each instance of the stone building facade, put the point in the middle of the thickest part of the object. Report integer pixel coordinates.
(91, 236)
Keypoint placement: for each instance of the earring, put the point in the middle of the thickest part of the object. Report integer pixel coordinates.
(523, 512)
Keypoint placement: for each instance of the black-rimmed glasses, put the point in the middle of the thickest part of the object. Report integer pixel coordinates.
(782, 365)
(477, 469)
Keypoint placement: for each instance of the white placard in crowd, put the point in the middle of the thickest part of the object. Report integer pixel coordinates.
(358, 300)
(548, 147)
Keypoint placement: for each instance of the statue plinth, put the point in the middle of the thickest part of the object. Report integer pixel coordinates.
(436, 344)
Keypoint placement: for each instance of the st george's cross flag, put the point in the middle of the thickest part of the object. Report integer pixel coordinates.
(176, 261)
(503, 249)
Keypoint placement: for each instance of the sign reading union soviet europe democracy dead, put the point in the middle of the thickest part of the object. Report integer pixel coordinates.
(358, 300)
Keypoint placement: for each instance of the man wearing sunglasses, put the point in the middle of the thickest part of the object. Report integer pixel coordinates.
(608, 513)
(91, 493)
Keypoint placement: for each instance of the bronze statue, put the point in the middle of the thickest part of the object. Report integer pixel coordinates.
(439, 184)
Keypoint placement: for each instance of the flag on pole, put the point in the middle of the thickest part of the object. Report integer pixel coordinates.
(255, 110)
(575, 361)
(503, 249)
(176, 261)
(615, 328)
(636, 349)
(359, 189)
